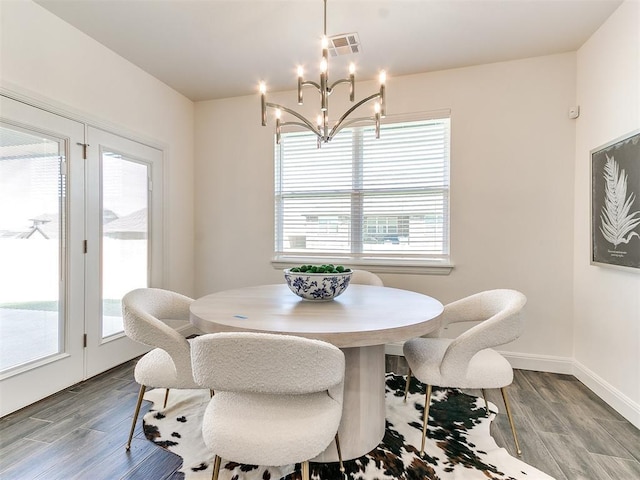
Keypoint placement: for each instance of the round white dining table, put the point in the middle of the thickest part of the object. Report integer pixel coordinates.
(360, 322)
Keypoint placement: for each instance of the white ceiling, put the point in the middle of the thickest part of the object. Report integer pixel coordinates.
(209, 49)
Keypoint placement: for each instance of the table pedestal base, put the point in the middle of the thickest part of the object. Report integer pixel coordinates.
(363, 413)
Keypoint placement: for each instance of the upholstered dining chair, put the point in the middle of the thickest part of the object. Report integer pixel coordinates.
(150, 317)
(278, 398)
(364, 277)
(468, 361)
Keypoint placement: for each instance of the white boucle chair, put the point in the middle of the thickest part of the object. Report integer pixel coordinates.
(278, 398)
(363, 277)
(150, 315)
(468, 361)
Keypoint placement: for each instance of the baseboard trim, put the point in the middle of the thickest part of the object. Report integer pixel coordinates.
(539, 363)
(522, 361)
(617, 400)
(611, 395)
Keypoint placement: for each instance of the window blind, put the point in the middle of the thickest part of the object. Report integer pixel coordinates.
(362, 197)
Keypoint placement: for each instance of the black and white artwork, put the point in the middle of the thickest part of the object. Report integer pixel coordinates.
(615, 206)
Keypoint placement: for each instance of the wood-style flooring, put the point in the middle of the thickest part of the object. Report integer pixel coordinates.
(564, 430)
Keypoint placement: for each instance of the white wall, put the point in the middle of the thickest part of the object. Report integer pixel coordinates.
(606, 300)
(512, 189)
(46, 59)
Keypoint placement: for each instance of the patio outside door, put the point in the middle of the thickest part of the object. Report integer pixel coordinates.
(124, 240)
(75, 235)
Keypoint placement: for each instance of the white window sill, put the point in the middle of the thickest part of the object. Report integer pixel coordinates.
(426, 267)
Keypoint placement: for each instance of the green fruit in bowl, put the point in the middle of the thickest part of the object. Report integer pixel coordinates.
(330, 268)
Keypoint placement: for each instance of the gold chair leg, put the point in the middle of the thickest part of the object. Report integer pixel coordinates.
(513, 427)
(486, 404)
(427, 404)
(166, 397)
(135, 415)
(305, 470)
(216, 468)
(406, 386)
(339, 453)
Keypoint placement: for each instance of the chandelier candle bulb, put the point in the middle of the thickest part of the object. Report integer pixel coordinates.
(325, 121)
(383, 103)
(323, 83)
(352, 82)
(300, 74)
(263, 102)
(278, 115)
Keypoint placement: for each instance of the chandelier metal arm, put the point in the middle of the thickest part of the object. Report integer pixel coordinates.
(340, 123)
(306, 123)
(298, 124)
(352, 86)
(312, 83)
(338, 82)
(358, 120)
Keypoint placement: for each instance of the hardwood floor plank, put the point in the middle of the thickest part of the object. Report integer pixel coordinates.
(61, 409)
(124, 371)
(592, 435)
(131, 387)
(65, 422)
(119, 463)
(626, 434)
(573, 459)
(118, 412)
(544, 385)
(50, 462)
(111, 449)
(534, 451)
(28, 426)
(106, 382)
(520, 381)
(619, 468)
(34, 410)
(158, 466)
(592, 405)
(176, 476)
(15, 452)
(542, 414)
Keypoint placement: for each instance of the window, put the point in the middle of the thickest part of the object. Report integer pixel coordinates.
(362, 200)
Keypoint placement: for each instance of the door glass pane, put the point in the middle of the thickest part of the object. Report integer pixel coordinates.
(125, 234)
(31, 219)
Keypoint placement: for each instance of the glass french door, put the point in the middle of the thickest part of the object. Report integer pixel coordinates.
(41, 264)
(124, 240)
(80, 225)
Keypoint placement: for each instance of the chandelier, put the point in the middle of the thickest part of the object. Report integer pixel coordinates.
(325, 88)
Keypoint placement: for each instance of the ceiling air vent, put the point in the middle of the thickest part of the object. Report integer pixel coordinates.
(344, 44)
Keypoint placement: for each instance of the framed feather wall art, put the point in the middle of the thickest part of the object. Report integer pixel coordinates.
(615, 203)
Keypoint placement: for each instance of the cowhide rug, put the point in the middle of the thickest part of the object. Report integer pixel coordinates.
(459, 445)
